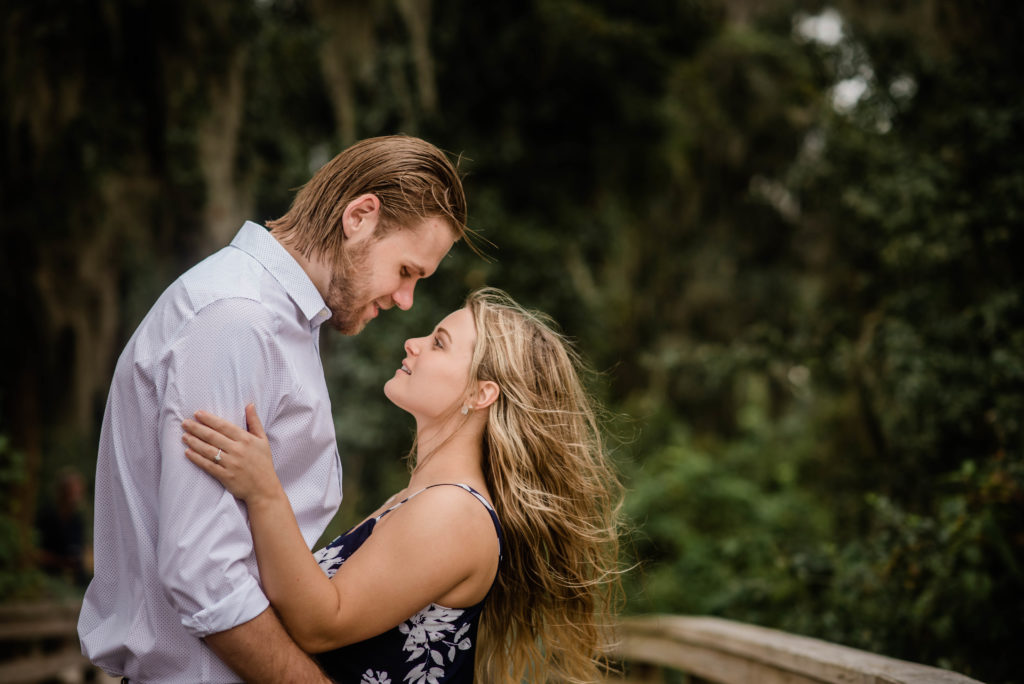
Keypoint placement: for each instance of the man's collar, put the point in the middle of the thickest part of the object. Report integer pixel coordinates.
(255, 240)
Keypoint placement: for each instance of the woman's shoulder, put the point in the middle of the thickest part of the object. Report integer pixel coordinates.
(443, 518)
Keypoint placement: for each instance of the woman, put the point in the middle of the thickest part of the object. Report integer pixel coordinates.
(508, 520)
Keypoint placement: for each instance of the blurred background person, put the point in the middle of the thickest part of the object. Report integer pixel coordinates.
(61, 527)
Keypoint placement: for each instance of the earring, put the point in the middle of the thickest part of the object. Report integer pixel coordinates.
(465, 410)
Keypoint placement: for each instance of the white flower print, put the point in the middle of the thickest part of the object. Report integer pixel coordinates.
(459, 642)
(429, 635)
(371, 677)
(328, 558)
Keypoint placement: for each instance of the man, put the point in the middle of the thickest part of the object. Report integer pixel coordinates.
(176, 597)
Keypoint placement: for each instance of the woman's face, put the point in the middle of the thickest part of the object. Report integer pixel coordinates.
(433, 377)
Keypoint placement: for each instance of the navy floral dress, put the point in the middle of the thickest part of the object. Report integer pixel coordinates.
(436, 645)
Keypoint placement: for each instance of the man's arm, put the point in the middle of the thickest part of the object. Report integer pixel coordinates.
(261, 651)
(220, 362)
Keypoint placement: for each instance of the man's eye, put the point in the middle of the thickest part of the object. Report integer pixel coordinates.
(405, 272)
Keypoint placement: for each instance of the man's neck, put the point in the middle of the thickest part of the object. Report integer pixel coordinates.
(315, 268)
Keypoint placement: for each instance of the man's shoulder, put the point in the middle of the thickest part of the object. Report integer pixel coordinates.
(228, 294)
(227, 274)
(222, 294)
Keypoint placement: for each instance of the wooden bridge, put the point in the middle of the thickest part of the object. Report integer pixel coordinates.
(39, 645)
(716, 650)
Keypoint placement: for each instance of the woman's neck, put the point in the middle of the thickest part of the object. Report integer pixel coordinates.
(453, 457)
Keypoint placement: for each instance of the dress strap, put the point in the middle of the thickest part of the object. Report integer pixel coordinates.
(460, 485)
(478, 495)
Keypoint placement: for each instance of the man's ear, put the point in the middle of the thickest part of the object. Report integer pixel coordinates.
(486, 394)
(361, 216)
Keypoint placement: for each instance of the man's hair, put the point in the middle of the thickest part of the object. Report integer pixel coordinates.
(413, 180)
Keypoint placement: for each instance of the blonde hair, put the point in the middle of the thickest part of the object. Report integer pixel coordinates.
(413, 180)
(549, 615)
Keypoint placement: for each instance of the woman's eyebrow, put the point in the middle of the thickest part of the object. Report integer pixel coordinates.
(442, 331)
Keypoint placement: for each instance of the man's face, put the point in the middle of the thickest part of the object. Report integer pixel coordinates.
(379, 274)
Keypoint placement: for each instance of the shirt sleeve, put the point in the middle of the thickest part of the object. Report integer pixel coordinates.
(225, 358)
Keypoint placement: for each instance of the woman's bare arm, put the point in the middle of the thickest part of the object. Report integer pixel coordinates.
(413, 558)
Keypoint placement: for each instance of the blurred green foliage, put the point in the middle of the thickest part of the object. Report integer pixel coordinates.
(805, 311)
(17, 578)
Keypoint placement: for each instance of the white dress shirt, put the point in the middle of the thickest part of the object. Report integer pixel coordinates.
(173, 553)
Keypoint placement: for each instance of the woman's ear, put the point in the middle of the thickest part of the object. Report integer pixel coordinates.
(360, 217)
(486, 394)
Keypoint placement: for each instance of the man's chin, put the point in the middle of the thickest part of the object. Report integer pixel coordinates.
(348, 327)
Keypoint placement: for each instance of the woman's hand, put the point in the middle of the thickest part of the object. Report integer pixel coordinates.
(240, 460)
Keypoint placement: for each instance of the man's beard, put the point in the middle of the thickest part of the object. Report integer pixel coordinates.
(347, 297)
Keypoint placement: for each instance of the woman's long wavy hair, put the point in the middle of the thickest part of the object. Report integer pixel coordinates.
(549, 614)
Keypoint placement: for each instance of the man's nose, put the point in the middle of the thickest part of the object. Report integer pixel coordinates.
(403, 296)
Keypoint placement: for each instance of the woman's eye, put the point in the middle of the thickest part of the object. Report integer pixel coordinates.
(437, 342)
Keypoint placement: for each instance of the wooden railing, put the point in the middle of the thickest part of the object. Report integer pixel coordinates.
(39, 643)
(727, 652)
